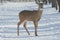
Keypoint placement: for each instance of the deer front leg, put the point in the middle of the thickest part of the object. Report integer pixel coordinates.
(26, 28)
(18, 27)
(36, 25)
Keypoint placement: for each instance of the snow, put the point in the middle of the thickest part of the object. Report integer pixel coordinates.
(48, 28)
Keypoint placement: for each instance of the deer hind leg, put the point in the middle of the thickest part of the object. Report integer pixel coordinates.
(36, 25)
(26, 28)
(18, 27)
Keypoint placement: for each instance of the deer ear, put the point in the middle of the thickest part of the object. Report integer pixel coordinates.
(37, 1)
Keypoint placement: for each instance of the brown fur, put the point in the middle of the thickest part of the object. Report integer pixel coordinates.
(27, 15)
(30, 15)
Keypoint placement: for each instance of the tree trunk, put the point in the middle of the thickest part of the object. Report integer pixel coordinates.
(1, 1)
(59, 4)
(53, 3)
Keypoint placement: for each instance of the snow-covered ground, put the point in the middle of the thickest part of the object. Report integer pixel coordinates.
(48, 28)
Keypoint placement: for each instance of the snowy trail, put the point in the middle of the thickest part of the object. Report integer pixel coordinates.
(48, 28)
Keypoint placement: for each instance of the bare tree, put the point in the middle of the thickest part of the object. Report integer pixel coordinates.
(54, 3)
(59, 4)
(1, 1)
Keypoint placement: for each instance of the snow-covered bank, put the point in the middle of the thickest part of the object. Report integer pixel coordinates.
(48, 28)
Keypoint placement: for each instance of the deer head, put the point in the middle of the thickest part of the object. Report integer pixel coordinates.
(40, 3)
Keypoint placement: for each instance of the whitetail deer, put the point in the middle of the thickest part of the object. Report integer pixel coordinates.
(34, 16)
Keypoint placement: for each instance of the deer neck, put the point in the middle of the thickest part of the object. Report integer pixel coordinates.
(40, 10)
